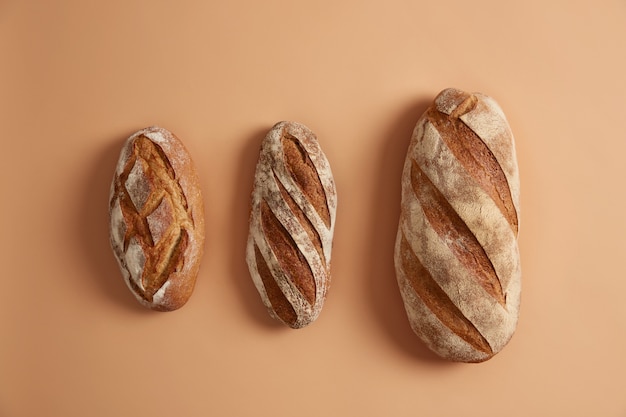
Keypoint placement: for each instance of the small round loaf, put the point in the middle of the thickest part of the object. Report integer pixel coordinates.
(456, 255)
(157, 219)
(292, 221)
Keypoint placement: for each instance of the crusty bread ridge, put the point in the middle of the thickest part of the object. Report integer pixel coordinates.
(456, 255)
(157, 219)
(292, 220)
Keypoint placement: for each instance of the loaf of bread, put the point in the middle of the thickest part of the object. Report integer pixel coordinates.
(456, 254)
(292, 220)
(157, 219)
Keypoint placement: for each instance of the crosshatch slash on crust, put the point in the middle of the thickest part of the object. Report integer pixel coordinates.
(157, 178)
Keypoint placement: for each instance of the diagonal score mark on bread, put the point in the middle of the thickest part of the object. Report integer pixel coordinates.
(305, 174)
(291, 258)
(435, 298)
(280, 303)
(475, 156)
(453, 230)
(156, 212)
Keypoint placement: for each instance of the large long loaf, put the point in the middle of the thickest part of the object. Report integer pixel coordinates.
(456, 255)
(292, 221)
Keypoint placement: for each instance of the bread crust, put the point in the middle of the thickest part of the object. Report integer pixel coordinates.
(456, 256)
(157, 219)
(292, 221)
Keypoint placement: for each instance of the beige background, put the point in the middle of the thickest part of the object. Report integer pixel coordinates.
(78, 77)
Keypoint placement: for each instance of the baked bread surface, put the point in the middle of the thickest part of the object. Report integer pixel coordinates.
(157, 219)
(456, 254)
(292, 220)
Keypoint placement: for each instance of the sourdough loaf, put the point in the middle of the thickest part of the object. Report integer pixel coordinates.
(456, 254)
(157, 219)
(291, 224)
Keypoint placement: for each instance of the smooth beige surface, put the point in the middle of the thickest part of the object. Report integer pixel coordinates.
(78, 77)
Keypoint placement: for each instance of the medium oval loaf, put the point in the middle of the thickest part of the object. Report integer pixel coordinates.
(456, 255)
(292, 220)
(157, 219)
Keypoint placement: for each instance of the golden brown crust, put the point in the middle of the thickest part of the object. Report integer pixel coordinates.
(157, 219)
(457, 259)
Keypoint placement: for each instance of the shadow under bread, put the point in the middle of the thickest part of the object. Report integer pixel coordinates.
(382, 283)
(240, 226)
(93, 226)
